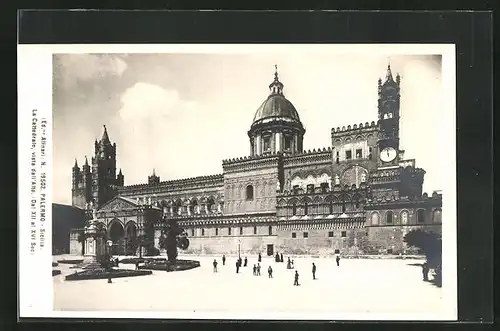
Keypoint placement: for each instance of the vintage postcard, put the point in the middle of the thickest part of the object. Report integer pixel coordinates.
(283, 182)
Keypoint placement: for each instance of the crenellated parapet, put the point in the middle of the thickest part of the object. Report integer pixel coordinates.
(173, 185)
(196, 221)
(356, 129)
(435, 200)
(309, 157)
(251, 162)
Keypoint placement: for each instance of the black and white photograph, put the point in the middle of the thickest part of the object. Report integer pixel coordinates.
(245, 181)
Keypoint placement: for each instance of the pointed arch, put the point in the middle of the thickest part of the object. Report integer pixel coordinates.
(317, 199)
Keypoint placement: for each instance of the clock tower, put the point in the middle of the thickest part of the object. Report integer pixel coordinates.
(388, 119)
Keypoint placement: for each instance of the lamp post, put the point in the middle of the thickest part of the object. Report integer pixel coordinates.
(239, 246)
(109, 244)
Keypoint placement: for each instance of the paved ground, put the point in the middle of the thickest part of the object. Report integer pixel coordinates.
(358, 285)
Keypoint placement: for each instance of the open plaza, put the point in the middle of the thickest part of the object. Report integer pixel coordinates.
(381, 286)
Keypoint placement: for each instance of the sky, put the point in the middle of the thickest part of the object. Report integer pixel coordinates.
(182, 114)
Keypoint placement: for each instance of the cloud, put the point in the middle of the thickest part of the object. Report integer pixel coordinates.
(144, 101)
(72, 68)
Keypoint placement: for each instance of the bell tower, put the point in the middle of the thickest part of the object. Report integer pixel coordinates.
(388, 119)
(103, 170)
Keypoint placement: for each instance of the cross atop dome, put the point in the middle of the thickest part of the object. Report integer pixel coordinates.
(276, 87)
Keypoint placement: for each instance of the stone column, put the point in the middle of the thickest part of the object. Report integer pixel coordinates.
(188, 209)
(273, 142)
(219, 207)
(259, 145)
(278, 136)
(171, 211)
(295, 143)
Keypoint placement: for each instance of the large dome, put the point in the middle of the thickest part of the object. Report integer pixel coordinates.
(276, 105)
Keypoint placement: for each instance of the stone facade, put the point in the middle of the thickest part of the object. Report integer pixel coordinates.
(357, 196)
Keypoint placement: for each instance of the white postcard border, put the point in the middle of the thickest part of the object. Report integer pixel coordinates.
(35, 92)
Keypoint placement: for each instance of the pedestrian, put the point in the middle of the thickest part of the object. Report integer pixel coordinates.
(215, 265)
(260, 258)
(239, 261)
(223, 259)
(258, 269)
(281, 260)
(293, 264)
(270, 272)
(237, 266)
(246, 262)
(277, 257)
(338, 260)
(425, 271)
(254, 270)
(296, 281)
(314, 271)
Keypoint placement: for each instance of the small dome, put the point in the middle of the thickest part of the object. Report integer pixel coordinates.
(276, 105)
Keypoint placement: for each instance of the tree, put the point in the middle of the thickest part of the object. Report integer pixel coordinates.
(173, 237)
(429, 242)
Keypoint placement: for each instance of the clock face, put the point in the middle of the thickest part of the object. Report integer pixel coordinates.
(388, 154)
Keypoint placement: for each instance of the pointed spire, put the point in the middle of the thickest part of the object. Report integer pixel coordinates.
(86, 161)
(388, 77)
(154, 172)
(276, 86)
(120, 172)
(76, 164)
(105, 137)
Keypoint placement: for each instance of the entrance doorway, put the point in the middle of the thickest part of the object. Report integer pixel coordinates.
(270, 250)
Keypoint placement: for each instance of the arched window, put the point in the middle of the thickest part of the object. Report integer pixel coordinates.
(389, 217)
(254, 230)
(216, 231)
(192, 232)
(294, 209)
(436, 216)
(270, 230)
(229, 231)
(249, 192)
(305, 208)
(331, 207)
(420, 216)
(241, 230)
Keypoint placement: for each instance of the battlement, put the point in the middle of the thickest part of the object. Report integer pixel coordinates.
(435, 200)
(368, 126)
(199, 180)
(363, 187)
(251, 158)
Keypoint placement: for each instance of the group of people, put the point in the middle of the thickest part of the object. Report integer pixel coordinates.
(278, 258)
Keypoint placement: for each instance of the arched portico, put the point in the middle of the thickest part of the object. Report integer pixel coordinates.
(116, 234)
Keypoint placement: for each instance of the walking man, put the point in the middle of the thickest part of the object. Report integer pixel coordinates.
(338, 260)
(425, 271)
(260, 258)
(281, 260)
(296, 282)
(223, 259)
(270, 272)
(246, 261)
(237, 266)
(314, 271)
(254, 270)
(258, 269)
(215, 265)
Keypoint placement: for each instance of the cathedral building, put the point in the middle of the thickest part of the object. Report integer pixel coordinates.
(359, 195)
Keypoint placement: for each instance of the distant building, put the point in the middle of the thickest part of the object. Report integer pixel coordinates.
(66, 220)
(358, 195)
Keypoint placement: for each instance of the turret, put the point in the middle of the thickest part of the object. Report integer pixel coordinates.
(153, 179)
